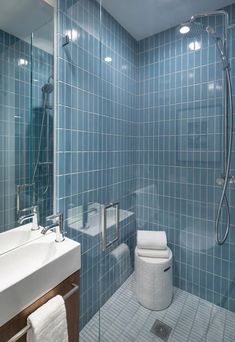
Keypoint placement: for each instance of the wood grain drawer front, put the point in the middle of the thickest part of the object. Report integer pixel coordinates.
(18, 322)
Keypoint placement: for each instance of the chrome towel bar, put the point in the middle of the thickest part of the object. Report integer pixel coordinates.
(23, 331)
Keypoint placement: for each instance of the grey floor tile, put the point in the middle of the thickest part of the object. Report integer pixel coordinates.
(192, 319)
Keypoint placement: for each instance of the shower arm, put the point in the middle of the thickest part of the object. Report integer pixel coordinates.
(226, 24)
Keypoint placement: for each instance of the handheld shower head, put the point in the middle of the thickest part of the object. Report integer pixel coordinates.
(47, 88)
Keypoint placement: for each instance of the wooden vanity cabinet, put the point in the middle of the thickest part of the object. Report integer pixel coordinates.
(18, 322)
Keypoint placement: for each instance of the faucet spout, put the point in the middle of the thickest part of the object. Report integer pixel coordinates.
(49, 227)
(24, 218)
(32, 216)
(58, 224)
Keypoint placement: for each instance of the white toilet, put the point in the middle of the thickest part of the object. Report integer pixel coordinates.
(154, 288)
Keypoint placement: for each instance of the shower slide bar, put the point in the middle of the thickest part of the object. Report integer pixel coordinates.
(23, 331)
(106, 244)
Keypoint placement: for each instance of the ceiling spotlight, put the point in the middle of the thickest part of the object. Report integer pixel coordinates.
(194, 46)
(22, 61)
(108, 59)
(184, 29)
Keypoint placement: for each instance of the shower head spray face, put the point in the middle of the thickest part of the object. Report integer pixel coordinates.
(190, 29)
(184, 28)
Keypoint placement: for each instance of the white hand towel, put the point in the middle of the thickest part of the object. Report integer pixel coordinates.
(48, 323)
(153, 253)
(151, 239)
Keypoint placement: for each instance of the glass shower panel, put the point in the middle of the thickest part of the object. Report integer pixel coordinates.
(117, 144)
(79, 155)
(43, 116)
(138, 130)
(95, 182)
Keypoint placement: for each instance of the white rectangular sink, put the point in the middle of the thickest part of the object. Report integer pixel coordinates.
(16, 237)
(30, 271)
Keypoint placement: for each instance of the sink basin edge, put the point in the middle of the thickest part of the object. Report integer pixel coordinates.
(27, 290)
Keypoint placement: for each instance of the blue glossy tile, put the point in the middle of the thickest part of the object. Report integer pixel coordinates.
(144, 129)
(189, 108)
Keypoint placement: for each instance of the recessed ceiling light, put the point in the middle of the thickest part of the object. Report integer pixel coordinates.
(184, 29)
(22, 61)
(195, 46)
(108, 59)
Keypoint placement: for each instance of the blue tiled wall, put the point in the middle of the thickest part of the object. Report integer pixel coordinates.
(20, 126)
(96, 107)
(144, 129)
(179, 125)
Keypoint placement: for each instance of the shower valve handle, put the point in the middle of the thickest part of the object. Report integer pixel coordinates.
(220, 180)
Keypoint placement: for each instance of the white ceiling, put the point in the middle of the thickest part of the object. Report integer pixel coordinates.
(21, 17)
(143, 18)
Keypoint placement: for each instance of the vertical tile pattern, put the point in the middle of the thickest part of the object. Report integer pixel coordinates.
(158, 153)
(180, 149)
(96, 103)
(20, 127)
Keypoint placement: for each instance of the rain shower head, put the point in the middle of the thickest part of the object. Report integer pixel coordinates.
(190, 29)
(194, 30)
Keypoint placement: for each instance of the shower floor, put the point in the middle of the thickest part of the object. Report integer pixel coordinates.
(191, 318)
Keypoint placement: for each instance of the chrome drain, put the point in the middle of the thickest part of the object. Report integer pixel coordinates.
(161, 330)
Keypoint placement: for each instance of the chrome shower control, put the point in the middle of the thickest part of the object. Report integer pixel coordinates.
(220, 180)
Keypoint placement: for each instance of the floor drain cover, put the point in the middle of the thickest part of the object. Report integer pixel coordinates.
(161, 330)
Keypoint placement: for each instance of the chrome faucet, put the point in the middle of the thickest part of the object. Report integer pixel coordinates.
(58, 224)
(32, 216)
